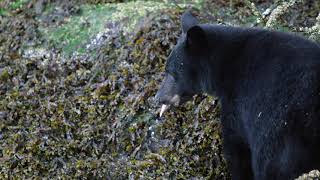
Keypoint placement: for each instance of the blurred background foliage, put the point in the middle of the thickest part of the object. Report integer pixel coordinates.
(77, 80)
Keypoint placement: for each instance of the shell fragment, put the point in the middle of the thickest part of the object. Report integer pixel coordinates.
(163, 109)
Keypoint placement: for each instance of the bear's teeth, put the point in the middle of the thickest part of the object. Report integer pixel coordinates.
(163, 109)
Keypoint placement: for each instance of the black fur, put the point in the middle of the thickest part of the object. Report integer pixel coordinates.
(269, 87)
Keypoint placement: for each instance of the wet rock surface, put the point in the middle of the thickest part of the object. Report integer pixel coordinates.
(312, 175)
(93, 114)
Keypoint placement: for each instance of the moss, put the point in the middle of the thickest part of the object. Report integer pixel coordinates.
(4, 75)
(78, 30)
(17, 4)
(3, 12)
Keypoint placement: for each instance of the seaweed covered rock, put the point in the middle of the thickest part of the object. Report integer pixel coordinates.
(312, 175)
(179, 145)
(94, 116)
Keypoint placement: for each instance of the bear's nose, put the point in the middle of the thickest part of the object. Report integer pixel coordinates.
(160, 98)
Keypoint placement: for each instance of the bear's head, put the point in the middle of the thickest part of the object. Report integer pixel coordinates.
(183, 74)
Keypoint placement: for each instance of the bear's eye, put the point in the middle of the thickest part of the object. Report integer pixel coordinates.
(175, 64)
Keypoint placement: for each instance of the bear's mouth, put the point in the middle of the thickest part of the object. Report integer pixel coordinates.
(164, 107)
(175, 100)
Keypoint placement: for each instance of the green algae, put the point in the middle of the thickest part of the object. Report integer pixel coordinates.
(79, 29)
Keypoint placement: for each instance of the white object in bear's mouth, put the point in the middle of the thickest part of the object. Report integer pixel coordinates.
(164, 107)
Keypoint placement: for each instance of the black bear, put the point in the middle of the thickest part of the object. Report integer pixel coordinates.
(268, 84)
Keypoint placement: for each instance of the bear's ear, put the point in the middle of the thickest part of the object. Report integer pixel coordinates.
(188, 21)
(196, 40)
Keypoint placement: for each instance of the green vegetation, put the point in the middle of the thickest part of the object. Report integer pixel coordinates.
(12, 5)
(17, 4)
(79, 29)
(3, 12)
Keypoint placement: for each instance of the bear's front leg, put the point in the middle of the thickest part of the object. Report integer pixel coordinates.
(238, 156)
